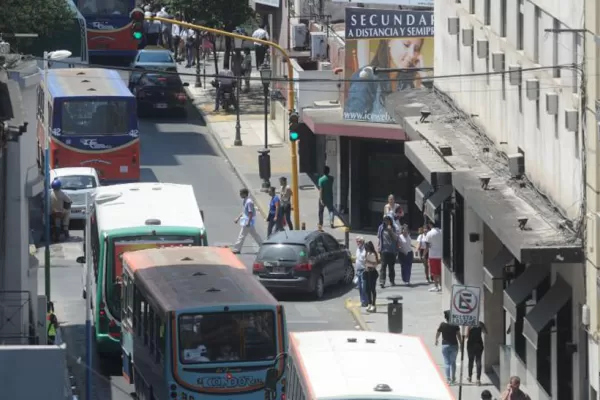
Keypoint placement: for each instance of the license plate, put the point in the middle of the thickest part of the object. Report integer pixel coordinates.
(279, 270)
(160, 105)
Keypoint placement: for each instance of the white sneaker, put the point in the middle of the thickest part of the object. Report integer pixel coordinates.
(433, 289)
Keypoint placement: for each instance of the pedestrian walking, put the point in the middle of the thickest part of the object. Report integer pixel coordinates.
(285, 197)
(486, 395)
(450, 340)
(189, 38)
(165, 29)
(247, 70)
(176, 37)
(325, 184)
(246, 220)
(433, 253)
(388, 248)
(52, 323)
(474, 337)
(513, 390)
(421, 247)
(360, 264)
(405, 255)
(371, 275)
(260, 50)
(275, 215)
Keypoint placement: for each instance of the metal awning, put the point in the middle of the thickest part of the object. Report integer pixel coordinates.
(422, 192)
(543, 312)
(523, 286)
(494, 269)
(428, 162)
(436, 200)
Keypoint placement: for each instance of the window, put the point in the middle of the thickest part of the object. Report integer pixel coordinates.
(162, 80)
(227, 336)
(105, 7)
(160, 338)
(129, 300)
(143, 320)
(503, 18)
(458, 238)
(487, 12)
(555, 47)
(151, 330)
(471, 6)
(155, 57)
(78, 182)
(137, 311)
(520, 21)
(317, 247)
(330, 243)
(537, 34)
(95, 117)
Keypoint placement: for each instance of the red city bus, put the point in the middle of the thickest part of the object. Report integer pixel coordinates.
(92, 123)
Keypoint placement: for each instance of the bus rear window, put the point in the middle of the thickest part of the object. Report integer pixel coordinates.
(94, 117)
(227, 336)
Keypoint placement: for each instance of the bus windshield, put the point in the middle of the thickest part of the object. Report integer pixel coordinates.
(104, 7)
(122, 245)
(95, 117)
(227, 336)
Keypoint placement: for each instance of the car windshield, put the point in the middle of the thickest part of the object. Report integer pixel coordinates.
(155, 57)
(78, 182)
(94, 117)
(227, 336)
(281, 252)
(171, 81)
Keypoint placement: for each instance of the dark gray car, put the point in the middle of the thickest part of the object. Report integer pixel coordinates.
(302, 261)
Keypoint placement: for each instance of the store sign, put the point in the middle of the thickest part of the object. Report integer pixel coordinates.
(270, 3)
(403, 3)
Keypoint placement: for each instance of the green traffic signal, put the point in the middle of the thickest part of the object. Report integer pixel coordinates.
(137, 35)
(294, 136)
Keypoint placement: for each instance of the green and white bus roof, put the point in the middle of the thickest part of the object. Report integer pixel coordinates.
(142, 205)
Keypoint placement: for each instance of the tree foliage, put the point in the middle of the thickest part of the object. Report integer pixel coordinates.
(43, 17)
(218, 14)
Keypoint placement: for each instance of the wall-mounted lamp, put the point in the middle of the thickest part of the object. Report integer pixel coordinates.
(425, 113)
(522, 222)
(485, 181)
(473, 237)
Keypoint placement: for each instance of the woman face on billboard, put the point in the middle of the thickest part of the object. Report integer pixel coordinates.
(406, 53)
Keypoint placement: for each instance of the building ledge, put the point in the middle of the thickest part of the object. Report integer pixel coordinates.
(545, 238)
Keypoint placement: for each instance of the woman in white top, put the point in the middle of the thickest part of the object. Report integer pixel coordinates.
(391, 206)
(421, 246)
(371, 276)
(285, 198)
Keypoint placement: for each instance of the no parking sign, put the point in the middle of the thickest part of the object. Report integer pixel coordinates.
(464, 307)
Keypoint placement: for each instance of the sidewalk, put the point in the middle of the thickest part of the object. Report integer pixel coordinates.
(422, 309)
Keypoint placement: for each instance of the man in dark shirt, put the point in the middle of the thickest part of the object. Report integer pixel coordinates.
(326, 196)
(274, 218)
(513, 390)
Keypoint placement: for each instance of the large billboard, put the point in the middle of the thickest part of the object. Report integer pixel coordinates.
(379, 45)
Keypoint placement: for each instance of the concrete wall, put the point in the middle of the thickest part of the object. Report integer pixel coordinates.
(552, 154)
(307, 93)
(592, 65)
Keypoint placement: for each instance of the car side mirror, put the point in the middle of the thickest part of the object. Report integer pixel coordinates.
(186, 84)
(271, 380)
(80, 260)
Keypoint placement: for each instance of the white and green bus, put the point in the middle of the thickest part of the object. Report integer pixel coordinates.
(131, 217)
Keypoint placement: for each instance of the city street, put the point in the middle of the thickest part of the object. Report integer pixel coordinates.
(177, 151)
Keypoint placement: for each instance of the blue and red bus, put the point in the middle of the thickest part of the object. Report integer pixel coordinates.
(109, 27)
(92, 122)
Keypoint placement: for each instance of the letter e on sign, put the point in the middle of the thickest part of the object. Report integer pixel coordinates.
(464, 306)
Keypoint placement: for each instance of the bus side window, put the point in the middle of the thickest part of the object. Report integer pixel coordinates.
(129, 300)
(124, 291)
(149, 337)
(144, 320)
(137, 306)
(160, 339)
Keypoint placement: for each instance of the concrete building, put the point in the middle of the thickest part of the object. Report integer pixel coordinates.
(592, 121)
(503, 156)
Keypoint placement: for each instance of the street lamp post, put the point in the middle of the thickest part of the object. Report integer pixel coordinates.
(265, 157)
(238, 43)
(48, 56)
(198, 82)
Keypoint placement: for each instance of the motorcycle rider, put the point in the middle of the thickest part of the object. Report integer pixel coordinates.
(58, 200)
(225, 83)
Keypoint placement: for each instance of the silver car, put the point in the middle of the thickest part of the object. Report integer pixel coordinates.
(78, 183)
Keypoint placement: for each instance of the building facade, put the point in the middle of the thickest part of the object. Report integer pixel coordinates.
(503, 154)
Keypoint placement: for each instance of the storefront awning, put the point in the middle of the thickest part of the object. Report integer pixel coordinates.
(523, 286)
(422, 192)
(493, 270)
(543, 312)
(436, 200)
(501, 208)
(428, 162)
(329, 121)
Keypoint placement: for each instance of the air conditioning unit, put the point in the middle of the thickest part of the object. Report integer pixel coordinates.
(453, 25)
(324, 66)
(467, 37)
(318, 46)
(571, 120)
(532, 87)
(483, 48)
(498, 61)
(299, 34)
(515, 74)
(552, 103)
(516, 165)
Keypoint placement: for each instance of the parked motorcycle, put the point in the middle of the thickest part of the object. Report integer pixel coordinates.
(228, 99)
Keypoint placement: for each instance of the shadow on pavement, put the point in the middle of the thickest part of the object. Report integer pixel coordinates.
(163, 148)
(147, 175)
(331, 292)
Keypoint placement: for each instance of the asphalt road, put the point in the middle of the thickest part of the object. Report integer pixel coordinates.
(176, 151)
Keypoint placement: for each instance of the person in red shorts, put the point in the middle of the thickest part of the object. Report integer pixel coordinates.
(433, 252)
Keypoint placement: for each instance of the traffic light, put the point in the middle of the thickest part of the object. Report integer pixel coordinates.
(137, 23)
(294, 124)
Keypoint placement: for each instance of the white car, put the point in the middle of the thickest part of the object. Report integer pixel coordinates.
(77, 182)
